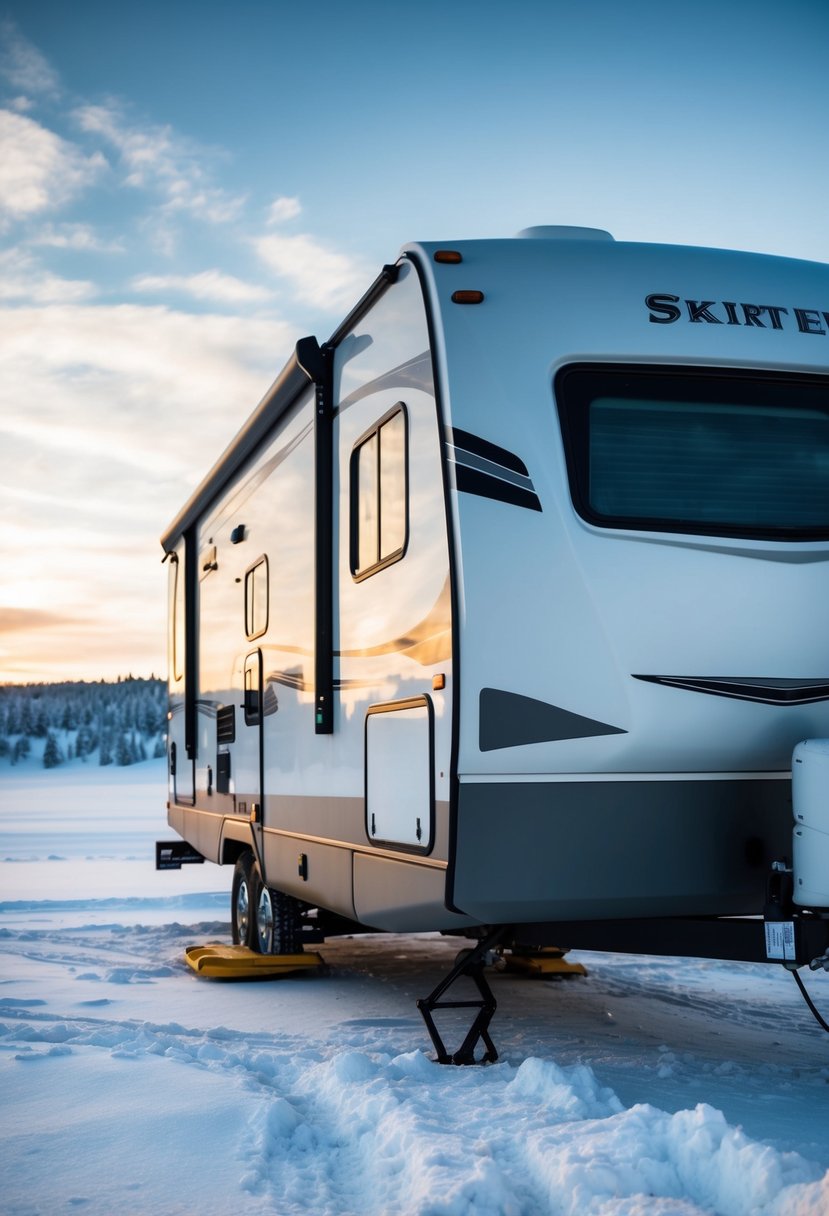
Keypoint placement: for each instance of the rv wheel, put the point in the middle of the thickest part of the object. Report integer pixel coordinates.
(241, 901)
(264, 922)
(278, 928)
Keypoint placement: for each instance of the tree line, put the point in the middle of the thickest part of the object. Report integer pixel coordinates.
(104, 722)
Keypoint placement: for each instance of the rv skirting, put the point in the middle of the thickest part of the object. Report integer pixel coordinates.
(547, 851)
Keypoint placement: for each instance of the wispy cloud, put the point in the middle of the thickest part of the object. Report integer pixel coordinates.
(133, 404)
(96, 369)
(80, 237)
(208, 285)
(156, 158)
(38, 169)
(23, 65)
(282, 209)
(320, 276)
(23, 278)
(12, 620)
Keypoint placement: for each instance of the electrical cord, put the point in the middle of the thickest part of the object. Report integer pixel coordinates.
(820, 1020)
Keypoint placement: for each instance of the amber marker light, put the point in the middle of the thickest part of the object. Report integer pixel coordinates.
(450, 256)
(438, 682)
(467, 297)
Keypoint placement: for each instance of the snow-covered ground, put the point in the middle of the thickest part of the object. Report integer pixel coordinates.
(127, 1084)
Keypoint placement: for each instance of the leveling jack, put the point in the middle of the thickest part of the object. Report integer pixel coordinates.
(469, 963)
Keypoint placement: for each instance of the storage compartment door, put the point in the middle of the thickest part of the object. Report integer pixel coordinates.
(400, 774)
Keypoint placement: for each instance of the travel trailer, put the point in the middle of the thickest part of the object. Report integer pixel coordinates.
(504, 612)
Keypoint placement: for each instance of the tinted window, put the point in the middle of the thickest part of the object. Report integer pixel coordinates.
(734, 454)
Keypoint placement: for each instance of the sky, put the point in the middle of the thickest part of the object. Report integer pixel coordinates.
(187, 188)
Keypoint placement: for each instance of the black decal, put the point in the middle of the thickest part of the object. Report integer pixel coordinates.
(774, 312)
(773, 691)
(698, 310)
(751, 312)
(509, 719)
(489, 451)
(808, 321)
(663, 304)
(731, 312)
(472, 481)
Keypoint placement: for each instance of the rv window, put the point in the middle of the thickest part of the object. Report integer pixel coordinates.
(731, 454)
(379, 495)
(256, 599)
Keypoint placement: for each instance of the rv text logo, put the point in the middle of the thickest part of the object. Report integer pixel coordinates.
(665, 309)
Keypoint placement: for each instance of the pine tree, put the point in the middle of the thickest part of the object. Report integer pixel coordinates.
(105, 754)
(52, 755)
(123, 751)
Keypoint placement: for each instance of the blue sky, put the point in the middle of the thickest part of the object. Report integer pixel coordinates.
(186, 188)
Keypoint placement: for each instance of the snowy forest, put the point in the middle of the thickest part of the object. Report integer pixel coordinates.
(98, 723)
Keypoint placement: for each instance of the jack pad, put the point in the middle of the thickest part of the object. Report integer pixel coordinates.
(241, 963)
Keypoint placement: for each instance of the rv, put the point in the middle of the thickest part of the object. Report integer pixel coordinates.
(504, 612)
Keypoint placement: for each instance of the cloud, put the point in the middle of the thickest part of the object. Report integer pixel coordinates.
(320, 276)
(81, 237)
(141, 387)
(282, 209)
(134, 404)
(14, 619)
(23, 278)
(208, 285)
(22, 64)
(155, 158)
(39, 169)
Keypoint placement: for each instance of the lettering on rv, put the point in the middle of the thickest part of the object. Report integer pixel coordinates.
(664, 309)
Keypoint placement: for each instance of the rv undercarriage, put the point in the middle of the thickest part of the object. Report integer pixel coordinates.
(270, 922)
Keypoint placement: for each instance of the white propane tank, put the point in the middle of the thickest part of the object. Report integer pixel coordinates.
(810, 804)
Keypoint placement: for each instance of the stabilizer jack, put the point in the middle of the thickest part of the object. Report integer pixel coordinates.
(470, 964)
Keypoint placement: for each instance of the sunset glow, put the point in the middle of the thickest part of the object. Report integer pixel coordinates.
(186, 190)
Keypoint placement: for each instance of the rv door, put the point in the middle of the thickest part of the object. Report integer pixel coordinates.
(181, 763)
(248, 753)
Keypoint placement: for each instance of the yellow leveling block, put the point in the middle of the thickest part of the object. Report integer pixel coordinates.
(240, 963)
(543, 964)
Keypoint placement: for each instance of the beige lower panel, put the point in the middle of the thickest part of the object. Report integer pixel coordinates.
(339, 818)
(402, 896)
(328, 867)
(201, 829)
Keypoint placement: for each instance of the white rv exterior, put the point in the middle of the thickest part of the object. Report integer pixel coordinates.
(508, 604)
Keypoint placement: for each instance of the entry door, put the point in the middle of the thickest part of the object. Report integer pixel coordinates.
(181, 767)
(248, 757)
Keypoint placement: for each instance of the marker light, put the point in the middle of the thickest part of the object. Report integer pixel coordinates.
(447, 255)
(467, 297)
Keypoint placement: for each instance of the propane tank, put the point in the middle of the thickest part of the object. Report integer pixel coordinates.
(810, 804)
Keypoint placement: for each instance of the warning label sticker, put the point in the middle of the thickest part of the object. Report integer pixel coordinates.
(780, 940)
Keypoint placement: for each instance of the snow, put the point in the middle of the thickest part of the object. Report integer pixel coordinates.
(663, 1087)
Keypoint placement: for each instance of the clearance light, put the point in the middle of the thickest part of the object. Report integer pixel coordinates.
(447, 255)
(438, 682)
(467, 297)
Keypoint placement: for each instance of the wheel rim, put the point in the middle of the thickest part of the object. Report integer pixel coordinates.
(264, 921)
(242, 911)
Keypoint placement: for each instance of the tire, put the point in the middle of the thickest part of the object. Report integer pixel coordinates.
(242, 901)
(278, 921)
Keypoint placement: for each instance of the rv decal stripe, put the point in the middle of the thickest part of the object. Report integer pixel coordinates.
(473, 481)
(508, 719)
(489, 451)
(469, 461)
(765, 691)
